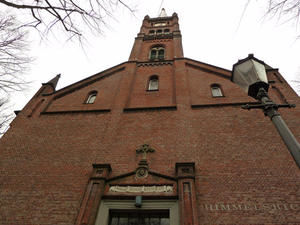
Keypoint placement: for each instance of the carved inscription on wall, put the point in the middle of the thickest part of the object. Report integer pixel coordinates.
(252, 207)
(145, 189)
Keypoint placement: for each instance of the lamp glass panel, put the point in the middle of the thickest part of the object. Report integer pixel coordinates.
(260, 71)
(248, 73)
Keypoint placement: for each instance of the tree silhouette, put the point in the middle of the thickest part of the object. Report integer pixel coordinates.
(74, 17)
(13, 63)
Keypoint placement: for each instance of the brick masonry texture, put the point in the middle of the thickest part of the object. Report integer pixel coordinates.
(47, 154)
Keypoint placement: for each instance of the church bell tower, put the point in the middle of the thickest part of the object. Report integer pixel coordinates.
(159, 39)
(153, 57)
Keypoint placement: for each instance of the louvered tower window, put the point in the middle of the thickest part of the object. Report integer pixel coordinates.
(157, 53)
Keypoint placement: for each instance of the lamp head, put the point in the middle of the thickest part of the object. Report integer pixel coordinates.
(250, 75)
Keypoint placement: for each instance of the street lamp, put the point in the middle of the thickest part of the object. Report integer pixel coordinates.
(250, 75)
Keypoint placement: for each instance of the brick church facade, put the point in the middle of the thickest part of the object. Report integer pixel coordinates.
(159, 139)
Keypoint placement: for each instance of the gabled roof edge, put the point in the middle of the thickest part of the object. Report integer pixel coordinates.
(207, 64)
(90, 77)
(104, 73)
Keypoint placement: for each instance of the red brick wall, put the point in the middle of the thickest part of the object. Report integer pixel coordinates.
(141, 97)
(76, 100)
(239, 157)
(244, 174)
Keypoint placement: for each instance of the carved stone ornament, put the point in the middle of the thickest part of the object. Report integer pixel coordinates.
(144, 149)
(142, 189)
(142, 169)
(141, 172)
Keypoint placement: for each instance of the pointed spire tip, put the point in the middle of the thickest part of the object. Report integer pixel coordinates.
(163, 13)
(53, 82)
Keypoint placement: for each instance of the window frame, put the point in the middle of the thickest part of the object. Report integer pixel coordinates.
(157, 55)
(138, 215)
(218, 87)
(92, 94)
(107, 205)
(151, 32)
(153, 56)
(151, 78)
(159, 32)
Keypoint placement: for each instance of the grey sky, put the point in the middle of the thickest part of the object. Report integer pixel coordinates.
(210, 33)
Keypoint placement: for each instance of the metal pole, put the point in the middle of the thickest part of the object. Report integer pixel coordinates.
(287, 136)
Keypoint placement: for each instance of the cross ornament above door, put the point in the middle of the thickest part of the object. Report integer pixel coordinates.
(144, 149)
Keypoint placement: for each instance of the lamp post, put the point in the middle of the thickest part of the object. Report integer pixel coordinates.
(250, 75)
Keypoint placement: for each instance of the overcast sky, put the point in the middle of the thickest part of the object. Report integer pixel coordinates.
(211, 33)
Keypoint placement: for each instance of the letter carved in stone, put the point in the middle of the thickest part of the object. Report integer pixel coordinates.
(142, 189)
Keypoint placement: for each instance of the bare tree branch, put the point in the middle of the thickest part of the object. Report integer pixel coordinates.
(286, 10)
(5, 116)
(73, 16)
(13, 54)
(13, 64)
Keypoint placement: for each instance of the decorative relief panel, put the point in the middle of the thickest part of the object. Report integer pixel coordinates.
(184, 170)
(141, 172)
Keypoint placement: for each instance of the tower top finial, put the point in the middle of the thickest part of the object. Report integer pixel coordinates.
(163, 13)
(53, 82)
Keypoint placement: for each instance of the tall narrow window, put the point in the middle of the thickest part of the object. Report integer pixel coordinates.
(152, 32)
(91, 98)
(153, 83)
(216, 90)
(161, 53)
(153, 54)
(158, 32)
(157, 53)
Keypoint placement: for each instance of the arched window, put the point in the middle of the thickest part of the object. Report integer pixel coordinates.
(166, 31)
(216, 90)
(157, 53)
(152, 32)
(153, 83)
(159, 32)
(161, 53)
(91, 97)
(153, 53)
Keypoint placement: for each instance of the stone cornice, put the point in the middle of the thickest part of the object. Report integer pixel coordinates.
(154, 63)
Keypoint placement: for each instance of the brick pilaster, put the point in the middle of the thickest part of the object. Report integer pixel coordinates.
(92, 197)
(187, 193)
